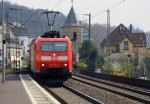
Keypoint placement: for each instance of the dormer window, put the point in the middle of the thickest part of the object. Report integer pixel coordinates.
(122, 28)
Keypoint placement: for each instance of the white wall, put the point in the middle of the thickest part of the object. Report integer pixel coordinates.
(25, 45)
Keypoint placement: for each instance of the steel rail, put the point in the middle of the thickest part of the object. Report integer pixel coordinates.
(86, 97)
(76, 92)
(114, 84)
(115, 92)
(55, 95)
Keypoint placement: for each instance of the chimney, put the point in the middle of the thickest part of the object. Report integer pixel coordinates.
(131, 28)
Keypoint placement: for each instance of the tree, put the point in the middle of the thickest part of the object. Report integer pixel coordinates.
(86, 49)
(128, 68)
(100, 62)
(89, 53)
(148, 66)
(91, 60)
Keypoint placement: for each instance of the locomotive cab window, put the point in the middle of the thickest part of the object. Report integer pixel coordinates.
(53, 46)
(47, 46)
(61, 46)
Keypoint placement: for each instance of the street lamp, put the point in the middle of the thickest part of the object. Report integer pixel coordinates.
(89, 25)
(89, 30)
(144, 58)
(145, 63)
(3, 42)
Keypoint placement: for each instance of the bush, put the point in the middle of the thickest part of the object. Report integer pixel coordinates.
(83, 65)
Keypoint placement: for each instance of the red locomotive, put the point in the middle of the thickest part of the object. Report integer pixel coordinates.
(51, 56)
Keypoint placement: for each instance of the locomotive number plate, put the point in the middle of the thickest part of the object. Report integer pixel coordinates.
(54, 58)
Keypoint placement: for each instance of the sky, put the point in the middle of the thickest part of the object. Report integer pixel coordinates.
(135, 12)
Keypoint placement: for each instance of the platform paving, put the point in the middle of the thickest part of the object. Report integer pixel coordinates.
(13, 91)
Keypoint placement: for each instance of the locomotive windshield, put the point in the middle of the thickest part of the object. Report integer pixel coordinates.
(53, 46)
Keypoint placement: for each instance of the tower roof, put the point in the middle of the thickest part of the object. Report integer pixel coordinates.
(71, 19)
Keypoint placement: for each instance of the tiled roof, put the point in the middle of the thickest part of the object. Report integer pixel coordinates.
(138, 38)
(118, 35)
(71, 19)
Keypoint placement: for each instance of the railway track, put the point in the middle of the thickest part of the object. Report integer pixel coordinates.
(131, 92)
(67, 95)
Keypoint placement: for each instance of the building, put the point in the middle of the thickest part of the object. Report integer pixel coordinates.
(123, 47)
(1, 42)
(123, 40)
(14, 48)
(72, 29)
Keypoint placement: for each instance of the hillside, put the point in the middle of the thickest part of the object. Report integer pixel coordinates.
(99, 32)
(37, 24)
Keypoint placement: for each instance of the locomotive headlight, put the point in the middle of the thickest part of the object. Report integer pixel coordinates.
(54, 54)
(43, 65)
(65, 64)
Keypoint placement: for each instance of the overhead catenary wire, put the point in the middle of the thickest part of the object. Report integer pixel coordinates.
(89, 6)
(57, 4)
(113, 6)
(32, 15)
(37, 11)
(29, 17)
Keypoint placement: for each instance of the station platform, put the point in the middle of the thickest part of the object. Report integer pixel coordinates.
(12, 91)
(21, 89)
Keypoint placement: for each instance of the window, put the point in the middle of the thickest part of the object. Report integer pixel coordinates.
(122, 28)
(61, 46)
(53, 46)
(113, 51)
(47, 46)
(0, 52)
(18, 53)
(126, 45)
(22, 42)
(13, 53)
(0, 62)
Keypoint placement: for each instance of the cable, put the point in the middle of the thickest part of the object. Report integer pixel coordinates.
(108, 8)
(57, 4)
(32, 15)
(99, 13)
(89, 6)
(29, 17)
(116, 4)
(36, 12)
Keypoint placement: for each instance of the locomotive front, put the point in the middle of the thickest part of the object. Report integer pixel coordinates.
(54, 57)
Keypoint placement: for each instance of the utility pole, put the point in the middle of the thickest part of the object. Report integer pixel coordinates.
(144, 54)
(8, 53)
(3, 48)
(18, 53)
(89, 26)
(96, 58)
(108, 33)
(88, 29)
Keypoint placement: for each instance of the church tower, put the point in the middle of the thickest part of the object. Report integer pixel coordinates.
(73, 30)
